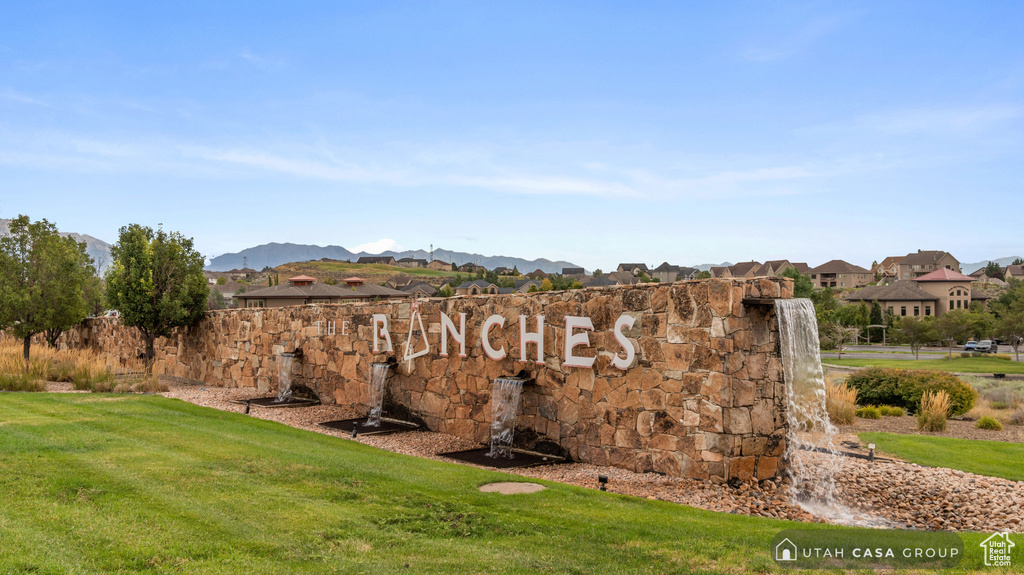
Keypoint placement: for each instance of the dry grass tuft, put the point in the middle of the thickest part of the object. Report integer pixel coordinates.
(85, 369)
(841, 402)
(934, 410)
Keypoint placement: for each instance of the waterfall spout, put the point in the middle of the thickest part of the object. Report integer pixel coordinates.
(378, 377)
(505, 396)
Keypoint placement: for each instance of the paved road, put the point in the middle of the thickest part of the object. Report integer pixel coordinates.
(879, 352)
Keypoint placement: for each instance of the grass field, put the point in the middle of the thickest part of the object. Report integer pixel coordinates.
(376, 272)
(957, 364)
(992, 458)
(144, 484)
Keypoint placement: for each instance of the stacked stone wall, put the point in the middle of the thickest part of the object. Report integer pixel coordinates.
(704, 396)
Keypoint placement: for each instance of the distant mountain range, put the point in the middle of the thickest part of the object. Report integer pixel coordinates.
(274, 254)
(98, 249)
(971, 268)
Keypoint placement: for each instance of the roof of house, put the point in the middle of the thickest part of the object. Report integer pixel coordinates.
(375, 260)
(978, 273)
(419, 286)
(685, 271)
(598, 282)
(667, 267)
(318, 290)
(743, 268)
(718, 271)
(301, 279)
(506, 290)
(633, 266)
(801, 267)
(414, 260)
(477, 283)
(1015, 271)
(924, 257)
(402, 280)
(777, 265)
(500, 269)
(572, 271)
(889, 261)
(839, 267)
(521, 283)
(944, 275)
(625, 278)
(538, 273)
(899, 291)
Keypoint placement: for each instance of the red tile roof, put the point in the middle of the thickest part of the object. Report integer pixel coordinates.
(302, 279)
(944, 275)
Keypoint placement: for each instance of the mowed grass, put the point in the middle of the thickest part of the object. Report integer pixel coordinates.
(957, 364)
(133, 484)
(992, 458)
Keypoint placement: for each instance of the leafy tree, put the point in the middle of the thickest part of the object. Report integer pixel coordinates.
(802, 285)
(221, 280)
(833, 334)
(44, 281)
(1017, 262)
(915, 332)
(445, 291)
(598, 273)
(704, 275)
(576, 285)
(216, 300)
(329, 281)
(533, 288)
(515, 271)
(994, 270)
(1010, 329)
(953, 327)
(156, 282)
(546, 285)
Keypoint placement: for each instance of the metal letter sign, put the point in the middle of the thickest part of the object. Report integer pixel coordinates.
(409, 355)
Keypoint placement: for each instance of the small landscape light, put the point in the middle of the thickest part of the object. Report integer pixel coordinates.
(355, 431)
(871, 452)
(603, 480)
(247, 406)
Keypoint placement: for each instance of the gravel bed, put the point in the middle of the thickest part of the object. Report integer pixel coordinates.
(891, 494)
(907, 425)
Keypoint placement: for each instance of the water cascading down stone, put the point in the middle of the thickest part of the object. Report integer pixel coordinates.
(505, 396)
(811, 451)
(284, 377)
(378, 376)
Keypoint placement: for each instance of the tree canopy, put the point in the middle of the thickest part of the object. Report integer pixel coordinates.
(802, 285)
(47, 282)
(156, 282)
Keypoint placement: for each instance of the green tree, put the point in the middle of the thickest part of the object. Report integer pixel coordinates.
(704, 275)
(216, 300)
(44, 281)
(915, 332)
(802, 285)
(994, 270)
(156, 282)
(546, 285)
(1010, 329)
(221, 280)
(952, 327)
(576, 285)
(876, 318)
(1017, 262)
(598, 273)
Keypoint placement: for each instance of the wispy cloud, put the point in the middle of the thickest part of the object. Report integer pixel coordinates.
(792, 43)
(14, 96)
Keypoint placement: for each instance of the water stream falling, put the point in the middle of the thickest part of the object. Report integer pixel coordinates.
(811, 442)
(378, 376)
(505, 396)
(284, 377)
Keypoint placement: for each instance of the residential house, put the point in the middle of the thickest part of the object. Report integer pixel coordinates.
(502, 271)
(914, 265)
(400, 281)
(439, 265)
(623, 278)
(840, 274)
(1015, 272)
(745, 270)
(687, 273)
(635, 269)
(665, 273)
(471, 268)
(578, 273)
(952, 288)
(476, 287)
(412, 263)
(523, 286)
(899, 299)
(720, 272)
(420, 289)
(301, 290)
(537, 274)
(889, 270)
(387, 260)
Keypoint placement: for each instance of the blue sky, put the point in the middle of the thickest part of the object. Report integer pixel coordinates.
(690, 132)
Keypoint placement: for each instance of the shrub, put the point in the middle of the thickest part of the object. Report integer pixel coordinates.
(1005, 356)
(891, 411)
(1017, 418)
(989, 423)
(933, 411)
(999, 405)
(869, 412)
(841, 402)
(905, 388)
(1006, 396)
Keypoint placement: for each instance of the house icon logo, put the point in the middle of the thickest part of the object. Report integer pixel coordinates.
(785, 550)
(998, 549)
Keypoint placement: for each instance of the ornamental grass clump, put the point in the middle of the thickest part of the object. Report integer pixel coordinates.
(869, 412)
(841, 402)
(990, 423)
(891, 411)
(933, 411)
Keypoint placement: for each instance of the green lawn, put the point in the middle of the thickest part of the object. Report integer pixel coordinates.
(992, 458)
(378, 268)
(127, 484)
(957, 364)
